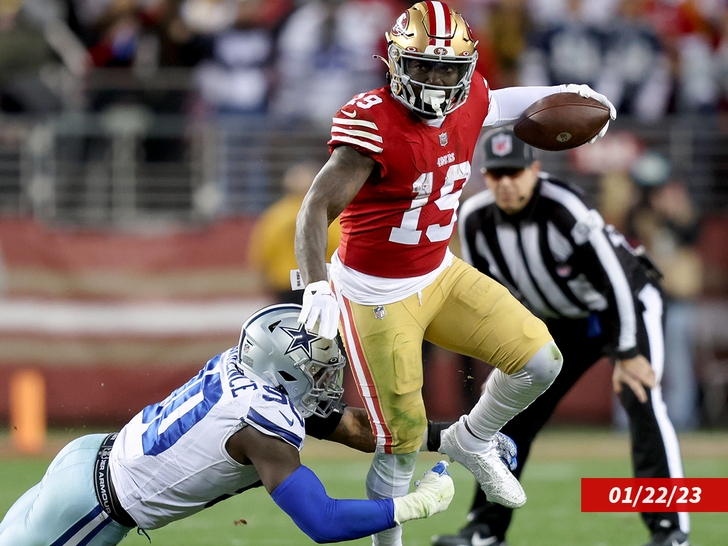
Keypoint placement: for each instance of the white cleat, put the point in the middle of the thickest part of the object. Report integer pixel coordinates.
(496, 481)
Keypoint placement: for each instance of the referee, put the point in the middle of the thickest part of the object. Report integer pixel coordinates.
(597, 295)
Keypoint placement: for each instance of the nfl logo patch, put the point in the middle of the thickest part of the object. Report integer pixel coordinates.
(502, 144)
(443, 139)
(379, 312)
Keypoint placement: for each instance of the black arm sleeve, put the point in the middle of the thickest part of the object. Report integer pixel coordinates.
(322, 427)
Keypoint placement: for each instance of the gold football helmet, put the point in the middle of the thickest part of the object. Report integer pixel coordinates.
(432, 33)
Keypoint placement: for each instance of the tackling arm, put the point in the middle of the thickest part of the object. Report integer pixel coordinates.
(300, 494)
(351, 427)
(354, 430)
(346, 425)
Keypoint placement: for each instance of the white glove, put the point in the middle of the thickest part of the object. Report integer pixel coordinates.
(433, 495)
(319, 305)
(587, 92)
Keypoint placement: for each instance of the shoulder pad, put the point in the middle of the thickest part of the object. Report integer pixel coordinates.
(272, 413)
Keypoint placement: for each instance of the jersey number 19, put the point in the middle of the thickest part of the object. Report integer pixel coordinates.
(408, 233)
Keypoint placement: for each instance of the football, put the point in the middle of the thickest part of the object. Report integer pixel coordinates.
(561, 121)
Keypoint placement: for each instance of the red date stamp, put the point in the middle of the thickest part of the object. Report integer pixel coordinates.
(654, 495)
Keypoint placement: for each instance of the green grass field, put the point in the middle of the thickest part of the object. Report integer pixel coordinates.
(552, 481)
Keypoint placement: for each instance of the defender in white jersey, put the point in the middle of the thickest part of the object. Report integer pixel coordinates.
(238, 424)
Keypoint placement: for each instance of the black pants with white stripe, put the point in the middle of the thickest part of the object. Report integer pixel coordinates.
(655, 449)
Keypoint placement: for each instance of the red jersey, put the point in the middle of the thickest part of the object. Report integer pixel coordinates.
(401, 221)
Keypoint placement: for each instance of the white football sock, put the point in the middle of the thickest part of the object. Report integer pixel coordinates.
(390, 476)
(506, 396)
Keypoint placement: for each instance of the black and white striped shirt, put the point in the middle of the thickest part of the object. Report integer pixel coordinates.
(558, 258)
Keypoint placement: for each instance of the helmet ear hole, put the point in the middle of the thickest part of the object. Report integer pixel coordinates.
(285, 375)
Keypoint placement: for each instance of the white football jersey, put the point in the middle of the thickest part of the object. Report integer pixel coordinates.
(170, 462)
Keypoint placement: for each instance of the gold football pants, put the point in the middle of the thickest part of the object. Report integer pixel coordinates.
(463, 311)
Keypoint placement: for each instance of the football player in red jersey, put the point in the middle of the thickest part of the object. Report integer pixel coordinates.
(400, 156)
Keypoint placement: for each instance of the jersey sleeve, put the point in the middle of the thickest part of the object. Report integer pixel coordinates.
(507, 104)
(355, 125)
(271, 413)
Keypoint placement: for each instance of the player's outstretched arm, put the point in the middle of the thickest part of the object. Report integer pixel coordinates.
(507, 104)
(432, 495)
(351, 427)
(298, 491)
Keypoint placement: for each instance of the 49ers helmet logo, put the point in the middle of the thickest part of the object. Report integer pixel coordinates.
(400, 26)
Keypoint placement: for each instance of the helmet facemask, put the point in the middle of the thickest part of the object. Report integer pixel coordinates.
(426, 99)
(307, 368)
(327, 387)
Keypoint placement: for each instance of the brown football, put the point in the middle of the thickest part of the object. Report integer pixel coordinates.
(561, 121)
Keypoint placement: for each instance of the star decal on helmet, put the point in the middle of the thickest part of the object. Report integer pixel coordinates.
(300, 339)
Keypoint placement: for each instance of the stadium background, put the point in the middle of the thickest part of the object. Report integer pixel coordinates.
(140, 141)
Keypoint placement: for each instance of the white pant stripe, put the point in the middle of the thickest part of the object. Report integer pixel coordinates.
(652, 316)
(357, 368)
(87, 529)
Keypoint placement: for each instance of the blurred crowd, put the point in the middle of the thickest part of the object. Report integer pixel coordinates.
(302, 59)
